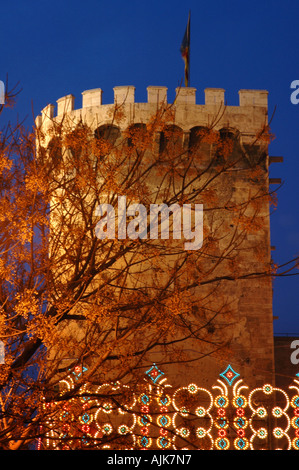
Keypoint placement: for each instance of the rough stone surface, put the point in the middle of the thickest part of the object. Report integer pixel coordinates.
(250, 330)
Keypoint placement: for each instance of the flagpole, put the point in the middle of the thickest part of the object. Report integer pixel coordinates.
(185, 51)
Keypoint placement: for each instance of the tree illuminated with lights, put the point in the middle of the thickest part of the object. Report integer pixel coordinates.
(72, 301)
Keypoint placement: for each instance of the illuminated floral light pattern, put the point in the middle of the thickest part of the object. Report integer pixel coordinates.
(189, 417)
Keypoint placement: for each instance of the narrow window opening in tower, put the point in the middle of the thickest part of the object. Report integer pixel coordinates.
(171, 140)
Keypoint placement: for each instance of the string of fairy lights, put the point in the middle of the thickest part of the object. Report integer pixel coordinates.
(229, 416)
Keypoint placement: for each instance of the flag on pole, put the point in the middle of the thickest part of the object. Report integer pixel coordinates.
(185, 51)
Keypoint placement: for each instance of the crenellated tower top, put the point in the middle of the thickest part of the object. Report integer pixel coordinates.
(249, 117)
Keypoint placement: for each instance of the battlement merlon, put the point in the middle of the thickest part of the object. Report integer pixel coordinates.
(249, 116)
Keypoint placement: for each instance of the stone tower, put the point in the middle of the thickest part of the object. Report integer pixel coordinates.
(251, 351)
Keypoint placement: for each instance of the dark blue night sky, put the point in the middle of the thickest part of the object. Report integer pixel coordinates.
(61, 47)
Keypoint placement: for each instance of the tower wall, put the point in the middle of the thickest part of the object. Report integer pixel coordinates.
(251, 347)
